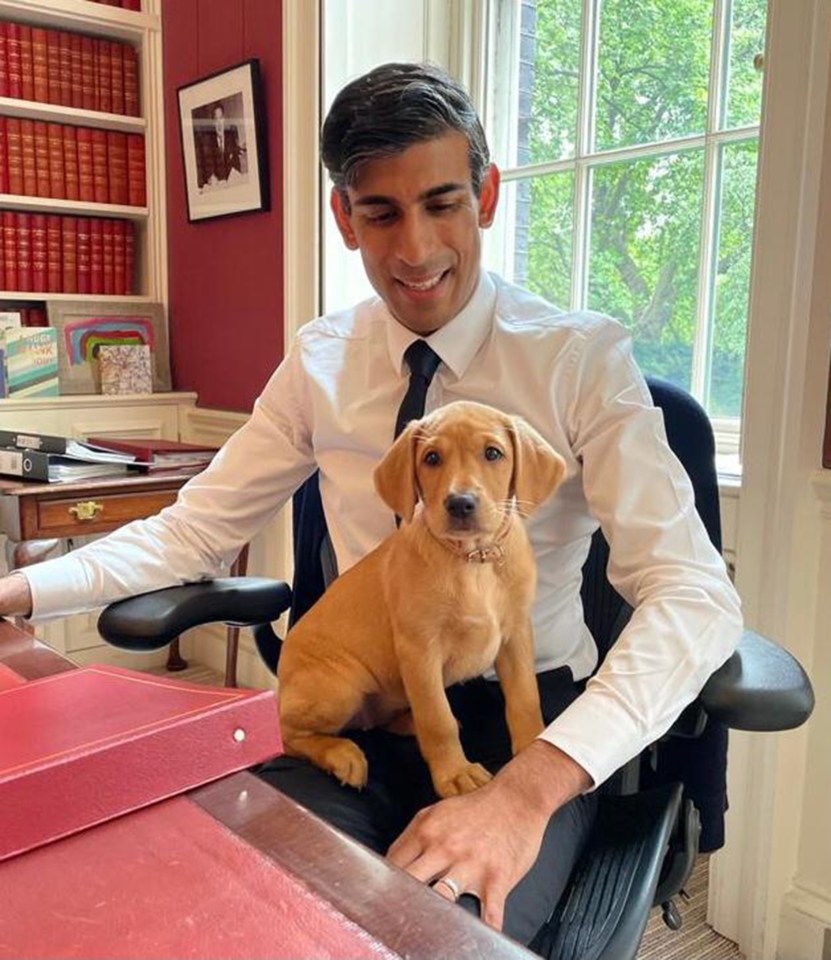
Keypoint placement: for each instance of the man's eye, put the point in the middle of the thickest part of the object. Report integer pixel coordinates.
(432, 458)
(381, 217)
(441, 207)
(493, 453)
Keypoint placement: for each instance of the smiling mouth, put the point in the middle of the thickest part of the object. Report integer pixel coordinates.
(423, 286)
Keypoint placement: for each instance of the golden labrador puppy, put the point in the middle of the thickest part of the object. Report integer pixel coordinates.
(441, 600)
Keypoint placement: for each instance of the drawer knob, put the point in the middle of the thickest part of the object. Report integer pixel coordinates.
(86, 510)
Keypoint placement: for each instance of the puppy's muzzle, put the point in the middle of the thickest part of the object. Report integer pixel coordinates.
(461, 509)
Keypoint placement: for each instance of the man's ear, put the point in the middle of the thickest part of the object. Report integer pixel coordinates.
(489, 196)
(538, 468)
(395, 478)
(339, 203)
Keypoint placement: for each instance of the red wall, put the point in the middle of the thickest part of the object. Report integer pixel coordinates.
(225, 276)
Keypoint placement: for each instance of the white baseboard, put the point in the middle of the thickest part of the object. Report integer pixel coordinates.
(805, 924)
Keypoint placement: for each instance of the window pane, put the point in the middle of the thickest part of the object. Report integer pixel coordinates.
(747, 41)
(732, 280)
(643, 266)
(545, 235)
(653, 70)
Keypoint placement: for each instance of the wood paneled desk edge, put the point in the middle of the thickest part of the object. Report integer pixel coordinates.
(403, 915)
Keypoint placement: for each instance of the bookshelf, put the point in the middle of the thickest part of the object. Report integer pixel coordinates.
(141, 30)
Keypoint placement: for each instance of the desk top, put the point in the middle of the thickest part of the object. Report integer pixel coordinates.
(327, 882)
(134, 480)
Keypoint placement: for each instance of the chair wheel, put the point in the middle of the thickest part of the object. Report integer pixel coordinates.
(672, 918)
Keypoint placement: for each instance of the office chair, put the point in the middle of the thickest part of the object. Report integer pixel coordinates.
(644, 843)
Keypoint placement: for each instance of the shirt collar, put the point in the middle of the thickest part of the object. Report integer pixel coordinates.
(458, 341)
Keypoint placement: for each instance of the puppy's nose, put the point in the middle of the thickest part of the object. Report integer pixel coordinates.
(461, 505)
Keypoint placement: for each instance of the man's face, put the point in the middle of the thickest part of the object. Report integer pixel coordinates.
(416, 220)
(219, 120)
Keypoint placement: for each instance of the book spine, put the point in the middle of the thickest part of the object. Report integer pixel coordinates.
(129, 258)
(70, 162)
(119, 258)
(32, 441)
(103, 76)
(24, 252)
(96, 256)
(4, 60)
(54, 274)
(108, 253)
(117, 76)
(28, 160)
(69, 253)
(53, 64)
(38, 251)
(27, 464)
(129, 56)
(44, 182)
(86, 182)
(65, 46)
(40, 66)
(136, 171)
(77, 92)
(14, 155)
(117, 166)
(83, 227)
(87, 73)
(57, 176)
(27, 88)
(100, 179)
(9, 250)
(4, 168)
(13, 60)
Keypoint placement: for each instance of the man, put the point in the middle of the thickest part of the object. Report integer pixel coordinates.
(413, 188)
(220, 150)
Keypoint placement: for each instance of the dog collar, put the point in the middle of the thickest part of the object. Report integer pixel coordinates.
(493, 552)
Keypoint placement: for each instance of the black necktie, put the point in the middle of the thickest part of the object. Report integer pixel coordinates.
(423, 362)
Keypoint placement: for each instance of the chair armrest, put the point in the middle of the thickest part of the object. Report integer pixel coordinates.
(151, 620)
(761, 687)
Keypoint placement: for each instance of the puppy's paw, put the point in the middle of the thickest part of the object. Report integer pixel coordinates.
(465, 780)
(348, 763)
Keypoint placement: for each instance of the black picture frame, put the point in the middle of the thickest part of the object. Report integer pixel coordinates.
(224, 143)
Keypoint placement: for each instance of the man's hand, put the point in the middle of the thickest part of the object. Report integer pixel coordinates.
(487, 840)
(15, 596)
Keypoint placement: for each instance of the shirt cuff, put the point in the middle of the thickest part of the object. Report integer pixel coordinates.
(53, 584)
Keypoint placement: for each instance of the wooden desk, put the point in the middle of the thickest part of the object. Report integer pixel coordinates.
(380, 908)
(35, 516)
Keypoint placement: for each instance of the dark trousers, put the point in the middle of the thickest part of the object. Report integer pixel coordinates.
(399, 786)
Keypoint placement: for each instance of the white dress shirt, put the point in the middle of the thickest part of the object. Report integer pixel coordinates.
(332, 404)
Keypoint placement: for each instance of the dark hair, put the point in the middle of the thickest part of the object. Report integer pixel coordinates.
(391, 108)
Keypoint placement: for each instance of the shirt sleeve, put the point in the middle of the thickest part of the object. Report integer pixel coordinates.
(215, 515)
(686, 619)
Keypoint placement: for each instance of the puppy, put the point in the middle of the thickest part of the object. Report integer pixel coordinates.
(441, 600)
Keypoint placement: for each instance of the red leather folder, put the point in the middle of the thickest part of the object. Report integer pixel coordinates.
(87, 745)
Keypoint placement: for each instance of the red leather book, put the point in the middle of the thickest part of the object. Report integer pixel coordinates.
(100, 176)
(4, 169)
(117, 76)
(77, 93)
(87, 73)
(129, 258)
(35, 317)
(57, 178)
(14, 155)
(117, 166)
(86, 187)
(9, 250)
(27, 153)
(107, 255)
(70, 162)
(40, 65)
(65, 47)
(69, 254)
(96, 256)
(4, 386)
(27, 87)
(24, 252)
(153, 450)
(38, 221)
(133, 739)
(4, 61)
(44, 183)
(136, 171)
(84, 285)
(119, 258)
(54, 252)
(129, 57)
(13, 60)
(53, 64)
(103, 76)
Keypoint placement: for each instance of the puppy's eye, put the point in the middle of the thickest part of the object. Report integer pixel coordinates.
(493, 453)
(432, 458)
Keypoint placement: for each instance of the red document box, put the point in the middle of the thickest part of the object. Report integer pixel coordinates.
(88, 745)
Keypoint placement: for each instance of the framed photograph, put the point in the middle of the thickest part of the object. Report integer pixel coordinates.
(83, 328)
(224, 144)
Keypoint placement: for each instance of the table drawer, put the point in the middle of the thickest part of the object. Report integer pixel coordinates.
(98, 514)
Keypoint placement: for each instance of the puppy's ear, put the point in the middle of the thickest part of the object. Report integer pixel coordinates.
(538, 468)
(395, 478)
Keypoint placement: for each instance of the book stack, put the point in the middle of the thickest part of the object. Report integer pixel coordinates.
(46, 65)
(35, 456)
(153, 453)
(63, 162)
(51, 253)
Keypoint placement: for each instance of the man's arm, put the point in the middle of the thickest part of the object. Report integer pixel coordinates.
(15, 596)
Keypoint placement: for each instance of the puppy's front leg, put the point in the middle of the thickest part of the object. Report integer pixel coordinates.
(436, 728)
(515, 670)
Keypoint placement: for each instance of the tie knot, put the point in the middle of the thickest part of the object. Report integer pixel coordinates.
(422, 359)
